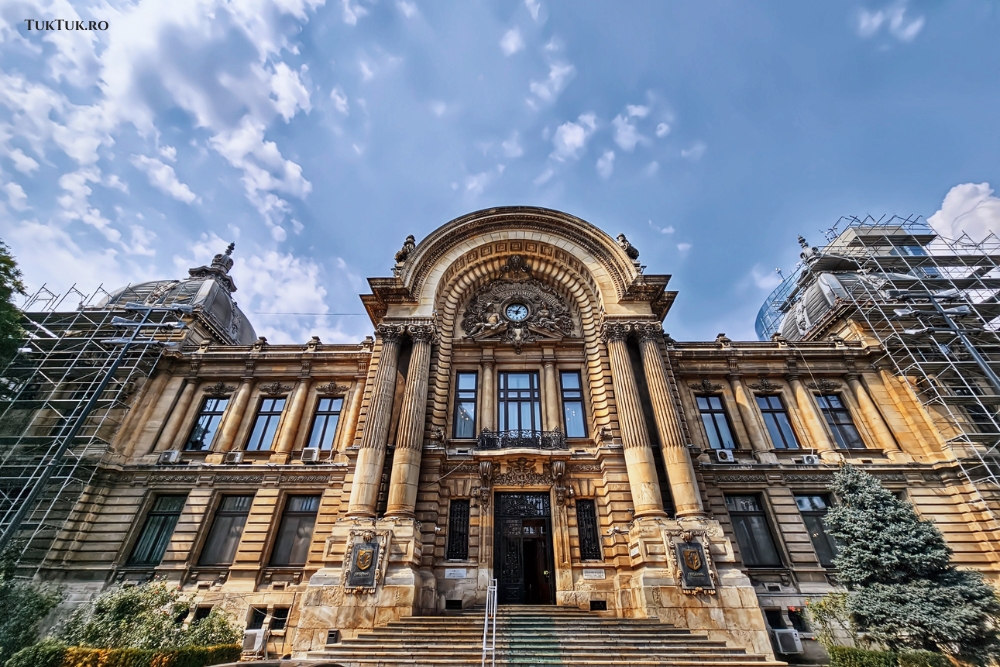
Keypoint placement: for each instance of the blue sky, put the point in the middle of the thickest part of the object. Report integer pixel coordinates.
(317, 135)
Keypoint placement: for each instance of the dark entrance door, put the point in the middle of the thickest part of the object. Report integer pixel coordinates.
(522, 558)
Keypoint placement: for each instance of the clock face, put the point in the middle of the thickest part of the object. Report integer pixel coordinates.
(516, 312)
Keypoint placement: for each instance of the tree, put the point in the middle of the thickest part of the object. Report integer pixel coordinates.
(148, 616)
(10, 314)
(24, 605)
(904, 591)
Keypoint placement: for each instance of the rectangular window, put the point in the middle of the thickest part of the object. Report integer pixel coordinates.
(519, 402)
(227, 528)
(325, 423)
(201, 613)
(839, 419)
(207, 425)
(266, 424)
(279, 618)
(572, 400)
(458, 530)
(776, 418)
(465, 405)
(716, 422)
(813, 509)
(257, 616)
(291, 548)
(752, 532)
(590, 535)
(156, 532)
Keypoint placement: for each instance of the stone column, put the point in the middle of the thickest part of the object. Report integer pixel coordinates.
(176, 420)
(488, 403)
(871, 414)
(410, 434)
(676, 457)
(290, 427)
(371, 454)
(638, 454)
(748, 412)
(234, 416)
(810, 415)
(550, 396)
(352, 409)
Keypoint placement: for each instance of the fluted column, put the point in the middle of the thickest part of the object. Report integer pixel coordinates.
(550, 396)
(289, 429)
(410, 434)
(638, 454)
(871, 414)
(676, 457)
(810, 414)
(488, 404)
(180, 409)
(234, 416)
(748, 413)
(352, 409)
(371, 453)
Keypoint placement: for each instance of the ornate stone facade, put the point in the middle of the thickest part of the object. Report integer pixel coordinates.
(509, 319)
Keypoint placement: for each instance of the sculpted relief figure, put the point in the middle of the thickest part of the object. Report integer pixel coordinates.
(490, 322)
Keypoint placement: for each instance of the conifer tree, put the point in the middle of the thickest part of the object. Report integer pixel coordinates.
(10, 315)
(904, 591)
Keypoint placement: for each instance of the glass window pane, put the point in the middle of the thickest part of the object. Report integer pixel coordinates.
(573, 414)
(467, 381)
(571, 380)
(227, 528)
(465, 424)
(727, 438)
(713, 435)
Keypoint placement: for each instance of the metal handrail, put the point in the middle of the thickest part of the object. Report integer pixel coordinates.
(490, 616)
(529, 439)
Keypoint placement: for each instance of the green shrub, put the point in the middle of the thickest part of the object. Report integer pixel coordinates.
(923, 659)
(47, 653)
(843, 656)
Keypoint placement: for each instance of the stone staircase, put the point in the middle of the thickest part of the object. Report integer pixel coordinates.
(535, 635)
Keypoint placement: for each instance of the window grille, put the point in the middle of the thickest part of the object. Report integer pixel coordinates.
(458, 530)
(590, 536)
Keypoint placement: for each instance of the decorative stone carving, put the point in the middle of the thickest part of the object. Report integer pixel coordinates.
(706, 386)
(765, 386)
(630, 250)
(516, 310)
(364, 564)
(332, 389)
(585, 467)
(563, 491)
(404, 253)
(722, 340)
(824, 385)
(615, 331)
(219, 389)
(485, 490)
(260, 344)
(436, 434)
(648, 330)
(275, 388)
(313, 344)
(390, 333)
(421, 332)
(521, 473)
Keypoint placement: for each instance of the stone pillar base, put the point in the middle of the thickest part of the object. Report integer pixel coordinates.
(402, 588)
(654, 587)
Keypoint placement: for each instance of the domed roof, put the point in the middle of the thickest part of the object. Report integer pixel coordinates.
(209, 289)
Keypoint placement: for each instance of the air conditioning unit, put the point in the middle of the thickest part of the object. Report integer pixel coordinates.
(788, 641)
(168, 457)
(724, 456)
(254, 641)
(810, 460)
(310, 455)
(233, 457)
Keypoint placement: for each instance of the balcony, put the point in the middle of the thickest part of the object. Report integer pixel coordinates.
(521, 439)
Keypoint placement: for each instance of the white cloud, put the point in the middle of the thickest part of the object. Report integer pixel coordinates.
(544, 177)
(683, 247)
(18, 199)
(287, 91)
(367, 73)
(694, 153)
(169, 152)
(511, 42)
(76, 204)
(637, 111)
(570, 138)
(669, 229)
(352, 12)
(512, 146)
(163, 178)
(894, 18)
(409, 9)
(438, 108)
(477, 183)
(606, 164)
(662, 130)
(763, 279)
(22, 162)
(533, 7)
(968, 208)
(141, 242)
(339, 100)
(549, 89)
(626, 134)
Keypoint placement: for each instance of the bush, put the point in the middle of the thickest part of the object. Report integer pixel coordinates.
(48, 653)
(24, 604)
(923, 659)
(53, 654)
(843, 656)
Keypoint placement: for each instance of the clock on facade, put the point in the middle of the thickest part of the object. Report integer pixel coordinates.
(516, 312)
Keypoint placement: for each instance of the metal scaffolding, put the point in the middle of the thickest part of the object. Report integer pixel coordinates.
(933, 304)
(63, 398)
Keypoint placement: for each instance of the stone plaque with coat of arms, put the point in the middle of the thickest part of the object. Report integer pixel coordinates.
(365, 561)
(695, 573)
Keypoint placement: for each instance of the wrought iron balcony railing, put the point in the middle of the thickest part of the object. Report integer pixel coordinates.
(525, 439)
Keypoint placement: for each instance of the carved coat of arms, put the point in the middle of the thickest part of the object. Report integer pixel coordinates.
(366, 556)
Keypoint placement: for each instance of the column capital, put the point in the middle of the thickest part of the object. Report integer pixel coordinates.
(421, 333)
(648, 330)
(615, 331)
(390, 333)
